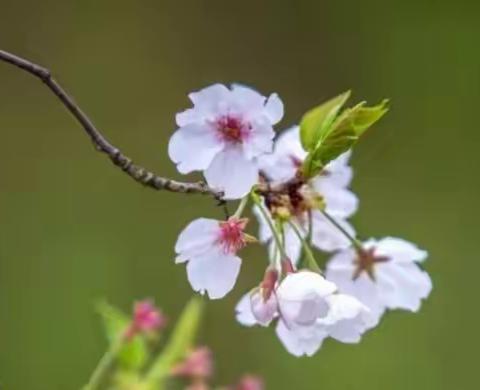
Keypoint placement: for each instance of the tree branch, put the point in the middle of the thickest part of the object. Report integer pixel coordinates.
(136, 172)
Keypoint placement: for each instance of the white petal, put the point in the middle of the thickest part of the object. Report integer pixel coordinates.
(362, 288)
(197, 238)
(347, 319)
(400, 250)
(340, 202)
(326, 237)
(246, 100)
(282, 164)
(301, 298)
(264, 231)
(299, 344)
(338, 171)
(293, 245)
(410, 285)
(210, 99)
(263, 311)
(243, 311)
(215, 275)
(274, 108)
(232, 173)
(193, 147)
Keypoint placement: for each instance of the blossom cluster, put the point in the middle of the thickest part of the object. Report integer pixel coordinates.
(228, 135)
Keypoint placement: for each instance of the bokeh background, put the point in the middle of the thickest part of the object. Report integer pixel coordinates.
(73, 229)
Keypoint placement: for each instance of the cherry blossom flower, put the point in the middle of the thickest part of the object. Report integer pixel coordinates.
(209, 248)
(308, 311)
(224, 134)
(328, 189)
(384, 275)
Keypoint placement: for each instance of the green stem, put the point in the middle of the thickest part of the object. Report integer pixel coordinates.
(308, 251)
(357, 244)
(241, 207)
(105, 363)
(276, 236)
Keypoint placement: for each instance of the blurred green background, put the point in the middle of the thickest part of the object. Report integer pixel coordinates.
(74, 229)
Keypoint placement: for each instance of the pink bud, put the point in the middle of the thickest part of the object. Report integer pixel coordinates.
(198, 364)
(146, 318)
(287, 266)
(250, 382)
(269, 281)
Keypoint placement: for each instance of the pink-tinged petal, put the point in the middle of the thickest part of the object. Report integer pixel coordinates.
(232, 173)
(210, 99)
(400, 250)
(410, 285)
(215, 274)
(243, 311)
(193, 147)
(300, 343)
(327, 237)
(274, 108)
(198, 238)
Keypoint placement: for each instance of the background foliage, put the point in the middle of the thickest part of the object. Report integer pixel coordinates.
(73, 229)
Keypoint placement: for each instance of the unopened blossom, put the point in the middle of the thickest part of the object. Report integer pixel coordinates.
(308, 311)
(250, 382)
(328, 190)
(383, 275)
(146, 318)
(223, 135)
(209, 247)
(197, 365)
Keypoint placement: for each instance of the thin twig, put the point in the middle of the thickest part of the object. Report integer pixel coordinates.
(138, 173)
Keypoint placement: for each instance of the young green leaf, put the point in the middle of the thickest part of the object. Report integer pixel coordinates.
(180, 342)
(342, 135)
(134, 353)
(317, 121)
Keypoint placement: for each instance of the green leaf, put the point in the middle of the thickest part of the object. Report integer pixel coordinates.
(134, 354)
(342, 135)
(180, 342)
(316, 121)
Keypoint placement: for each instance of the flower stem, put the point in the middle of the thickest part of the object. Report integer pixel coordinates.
(105, 363)
(276, 236)
(356, 243)
(241, 207)
(308, 251)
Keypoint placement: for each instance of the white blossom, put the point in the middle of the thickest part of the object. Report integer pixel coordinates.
(224, 134)
(308, 311)
(384, 275)
(331, 185)
(209, 247)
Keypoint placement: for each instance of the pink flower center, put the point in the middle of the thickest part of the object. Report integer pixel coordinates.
(232, 237)
(232, 129)
(366, 261)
